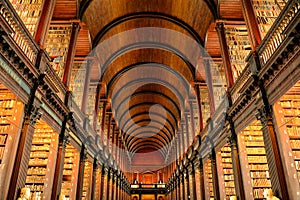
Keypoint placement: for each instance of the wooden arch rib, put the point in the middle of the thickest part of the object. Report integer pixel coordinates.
(150, 143)
(143, 114)
(152, 130)
(153, 97)
(169, 133)
(136, 57)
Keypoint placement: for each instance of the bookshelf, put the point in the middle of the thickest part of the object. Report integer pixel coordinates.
(57, 45)
(267, 12)
(70, 172)
(238, 43)
(205, 106)
(90, 111)
(227, 171)
(77, 81)
(257, 160)
(208, 180)
(87, 180)
(218, 81)
(98, 183)
(289, 108)
(29, 12)
(196, 117)
(11, 117)
(100, 112)
(42, 159)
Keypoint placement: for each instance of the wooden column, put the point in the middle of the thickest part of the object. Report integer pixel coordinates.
(187, 182)
(193, 176)
(103, 120)
(197, 89)
(20, 167)
(112, 185)
(94, 178)
(215, 175)
(59, 166)
(108, 184)
(113, 142)
(120, 186)
(44, 22)
(236, 165)
(178, 188)
(225, 54)
(70, 54)
(201, 177)
(83, 158)
(175, 188)
(86, 87)
(209, 83)
(102, 181)
(108, 130)
(187, 131)
(97, 100)
(117, 187)
(183, 192)
(182, 140)
(192, 119)
(252, 24)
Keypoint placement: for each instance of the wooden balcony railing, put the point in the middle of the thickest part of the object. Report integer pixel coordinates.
(19, 32)
(277, 35)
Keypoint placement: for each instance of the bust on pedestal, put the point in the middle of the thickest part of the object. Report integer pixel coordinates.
(268, 194)
(25, 194)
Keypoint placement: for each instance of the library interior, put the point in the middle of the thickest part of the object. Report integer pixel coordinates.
(149, 99)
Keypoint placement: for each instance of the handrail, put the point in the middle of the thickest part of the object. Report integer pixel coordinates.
(20, 33)
(277, 35)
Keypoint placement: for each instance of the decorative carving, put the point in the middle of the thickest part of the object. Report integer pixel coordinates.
(35, 115)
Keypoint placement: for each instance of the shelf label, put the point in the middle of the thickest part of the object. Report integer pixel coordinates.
(14, 75)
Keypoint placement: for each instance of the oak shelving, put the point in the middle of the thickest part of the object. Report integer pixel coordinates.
(57, 45)
(29, 12)
(238, 46)
(71, 164)
(208, 177)
(267, 12)
(87, 180)
(257, 160)
(44, 144)
(227, 171)
(289, 108)
(77, 80)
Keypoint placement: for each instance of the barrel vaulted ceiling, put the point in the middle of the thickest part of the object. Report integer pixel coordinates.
(148, 53)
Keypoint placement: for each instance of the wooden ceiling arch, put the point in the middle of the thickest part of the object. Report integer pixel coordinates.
(170, 85)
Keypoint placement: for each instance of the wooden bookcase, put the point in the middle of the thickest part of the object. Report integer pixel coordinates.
(98, 182)
(87, 180)
(227, 169)
(251, 139)
(267, 12)
(90, 111)
(71, 165)
(42, 159)
(205, 106)
(57, 45)
(29, 12)
(238, 43)
(11, 118)
(218, 81)
(209, 188)
(77, 81)
(288, 118)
